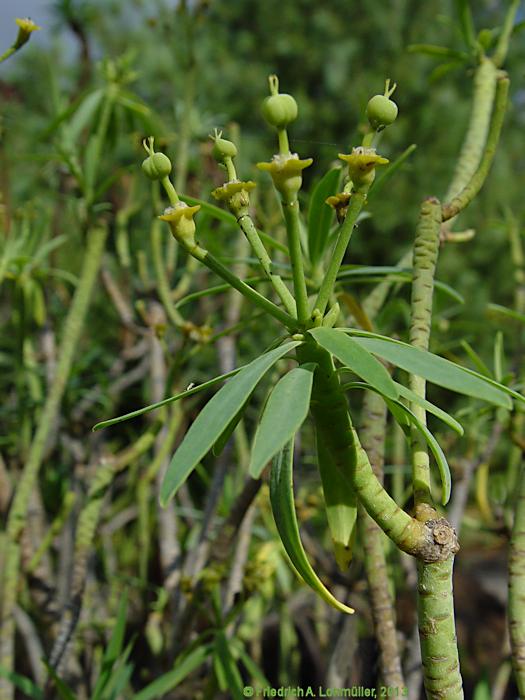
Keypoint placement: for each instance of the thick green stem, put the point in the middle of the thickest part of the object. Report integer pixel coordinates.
(333, 423)
(18, 513)
(476, 136)
(435, 602)
(437, 631)
(426, 248)
(356, 204)
(248, 228)
(516, 612)
(293, 230)
(383, 614)
(436, 621)
(471, 189)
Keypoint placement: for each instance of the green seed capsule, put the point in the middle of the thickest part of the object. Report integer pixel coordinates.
(223, 149)
(381, 111)
(279, 110)
(157, 166)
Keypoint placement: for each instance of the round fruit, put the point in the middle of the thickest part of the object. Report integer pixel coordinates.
(223, 149)
(279, 110)
(157, 166)
(381, 111)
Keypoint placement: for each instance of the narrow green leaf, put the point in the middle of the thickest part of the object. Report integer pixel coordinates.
(466, 23)
(444, 69)
(499, 357)
(341, 505)
(165, 402)
(499, 310)
(212, 291)
(357, 311)
(173, 678)
(405, 417)
(407, 393)
(476, 360)
(285, 412)
(113, 649)
(436, 370)
(59, 118)
(26, 685)
(47, 248)
(91, 162)
(250, 665)
(120, 675)
(438, 51)
(370, 273)
(283, 508)
(352, 271)
(390, 171)
(227, 672)
(84, 114)
(320, 214)
(214, 418)
(351, 355)
(64, 691)
(219, 446)
(129, 102)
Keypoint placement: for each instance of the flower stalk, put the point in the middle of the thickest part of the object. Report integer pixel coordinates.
(373, 430)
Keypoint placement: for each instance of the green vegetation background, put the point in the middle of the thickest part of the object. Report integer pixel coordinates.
(195, 68)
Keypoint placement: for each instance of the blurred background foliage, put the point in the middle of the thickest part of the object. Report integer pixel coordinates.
(178, 72)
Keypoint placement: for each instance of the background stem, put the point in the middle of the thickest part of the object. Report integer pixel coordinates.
(373, 439)
(18, 513)
(516, 613)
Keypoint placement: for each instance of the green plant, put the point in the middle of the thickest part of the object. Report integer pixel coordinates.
(317, 341)
(213, 601)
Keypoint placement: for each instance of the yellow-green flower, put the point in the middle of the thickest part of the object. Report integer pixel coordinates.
(286, 171)
(180, 220)
(361, 165)
(236, 194)
(26, 27)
